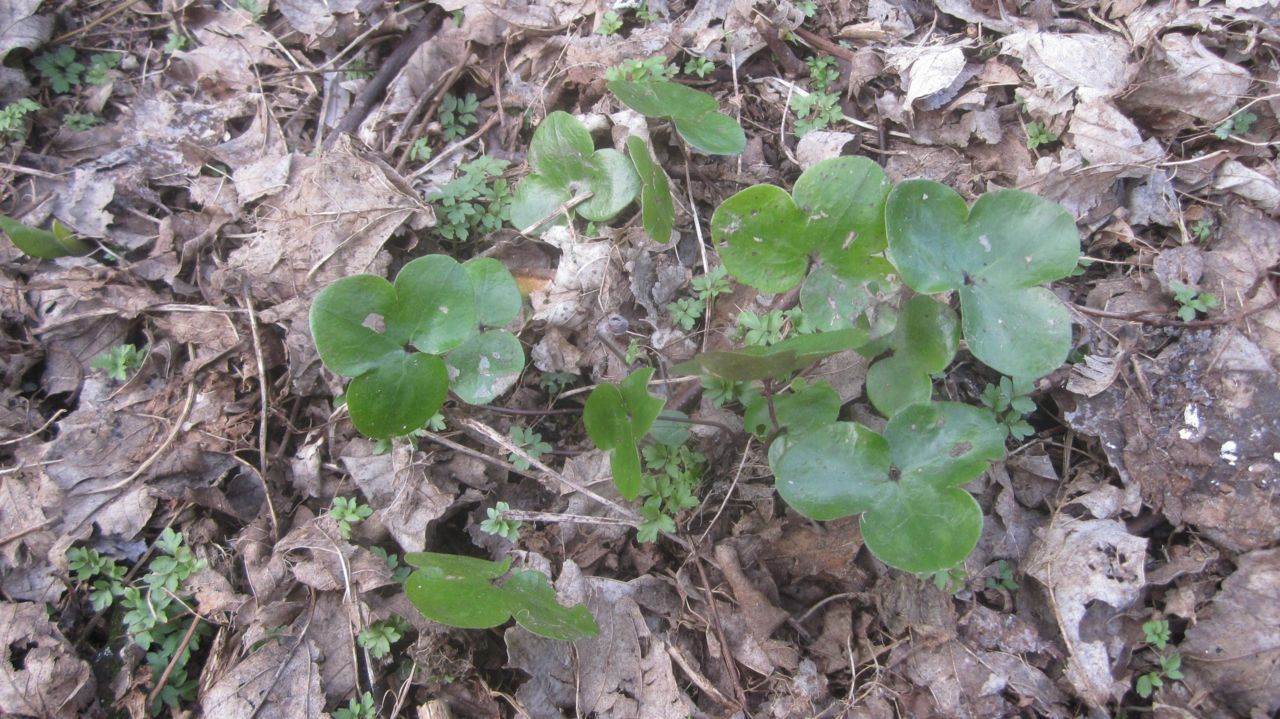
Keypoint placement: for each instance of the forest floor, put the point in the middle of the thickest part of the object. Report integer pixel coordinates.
(189, 523)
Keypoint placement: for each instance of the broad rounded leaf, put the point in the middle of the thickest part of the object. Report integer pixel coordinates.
(808, 405)
(832, 302)
(943, 444)
(466, 601)
(896, 382)
(342, 320)
(760, 235)
(845, 198)
(560, 149)
(714, 133)
(435, 304)
(497, 296)
(534, 201)
(642, 407)
(613, 183)
(918, 528)
(532, 602)
(1017, 332)
(398, 396)
(668, 429)
(657, 211)
(925, 223)
(928, 333)
(833, 471)
(662, 98)
(485, 366)
(1025, 239)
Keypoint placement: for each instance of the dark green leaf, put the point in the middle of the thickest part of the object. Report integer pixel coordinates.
(714, 133)
(535, 199)
(398, 396)
(616, 417)
(762, 239)
(833, 471)
(662, 98)
(436, 304)
(613, 183)
(340, 319)
(657, 211)
(1018, 332)
(844, 198)
(485, 366)
(497, 296)
(560, 149)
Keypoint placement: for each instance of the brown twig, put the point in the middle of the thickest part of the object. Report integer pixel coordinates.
(726, 652)
(173, 660)
(391, 67)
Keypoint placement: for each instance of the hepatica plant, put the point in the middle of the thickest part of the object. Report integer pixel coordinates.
(695, 114)
(406, 344)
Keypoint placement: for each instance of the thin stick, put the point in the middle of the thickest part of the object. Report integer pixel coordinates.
(43, 427)
(494, 436)
(564, 208)
(697, 678)
(262, 417)
(728, 494)
(521, 515)
(173, 661)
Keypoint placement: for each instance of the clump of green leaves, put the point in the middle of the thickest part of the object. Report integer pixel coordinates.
(566, 166)
(476, 202)
(80, 121)
(457, 114)
(672, 474)
(1238, 124)
(949, 580)
(554, 383)
(472, 593)
(1202, 230)
(378, 637)
(638, 70)
(610, 23)
(13, 124)
(1157, 635)
(686, 311)
(823, 73)
(695, 114)
(761, 330)
(119, 361)
(150, 609)
(363, 708)
(347, 511)
(617, 417)
(1191, 301)
(420, 150)
(816, 111)
(362, 324)
(1038, 134)
(808, 7)
(531, 442)
(60, 69)
(357, 69)
(497, 523)
(399, 572)
(1009, 401)
(699, 66)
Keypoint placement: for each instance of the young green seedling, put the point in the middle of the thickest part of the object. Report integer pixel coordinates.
(362, 326)
(906, 483)
(923, 343)
(566, 166)
(463, 592)
(996, 255)
(695, 114)
(766, 236)
(657, 211)
(44, 244)
(617, 418)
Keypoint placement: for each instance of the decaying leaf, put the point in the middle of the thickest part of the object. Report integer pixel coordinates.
(40, 674)
(401, 487)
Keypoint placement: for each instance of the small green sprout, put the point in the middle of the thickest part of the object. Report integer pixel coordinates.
(100, 65)
(531, 442)
(497, 523)
(1003, 578)
(645, 14)
(174, 42)
(651, 68)
(119, 361)
(808, 7)
(633, 351)
(1202, 230)
(949, 580)
(399, 572)
(1156, 632)
(250, 6)
(477, 201)
(699, 66)
(722, 391)
(1191, 301)
(13, 118)
(609, 24)
(761, 330)
(1238, 124)
(357, 69)
(555, 382)
(1009, 402)
(348, 511)
(378, 637)
(672, 475)
(80, 121)
(362, 709)
(686, 311)
(823, 73)
(457, 114)
(60, 69)
(1038, 134)
(420, 150)
(816, 111)
(713, 284)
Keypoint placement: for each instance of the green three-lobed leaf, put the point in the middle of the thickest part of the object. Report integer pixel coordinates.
(694, 113)
(905, 483)
(402, 343)
(461, 592)
(923, 342)
(617, 418)
(566, 165)
(766, 236)
(996, 254)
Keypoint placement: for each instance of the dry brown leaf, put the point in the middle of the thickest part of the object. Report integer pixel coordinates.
(932, 73)
(399, 485)
(229, 49)
(278, 681)
(1060, 64)
(40, 674)
(321, 559)
(315, 17)
(1096, 566)
(964, 683)
(1109, 141)
(1261, 189)
(1232, 653)
(1183, 84)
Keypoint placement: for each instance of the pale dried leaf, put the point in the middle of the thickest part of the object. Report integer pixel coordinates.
(1262, 190)
(1108, 139)
(1083, 564)
(314, 17)
(40, 674)
(1183, 84)
(928, 71)
(1060, 64)
(21, 27)
(397, 484)
(1093, 376)
(278, 681)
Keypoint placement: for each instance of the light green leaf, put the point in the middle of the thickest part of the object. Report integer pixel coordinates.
(616, 417)
(918, 528)
(943, 444)
(398, 396)
(1017, 332)
(761, 236)
(844, 198)
(436, 305)
(662, 98)
(714, 133)
(833, 471)
(896, 382)
(832, 302)
(43, 244)
(497, 296)
(806, 406)
(613, 183)
(340, 321)
(560, 149)
(534, 200)
(485, 366)
(657, 211)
